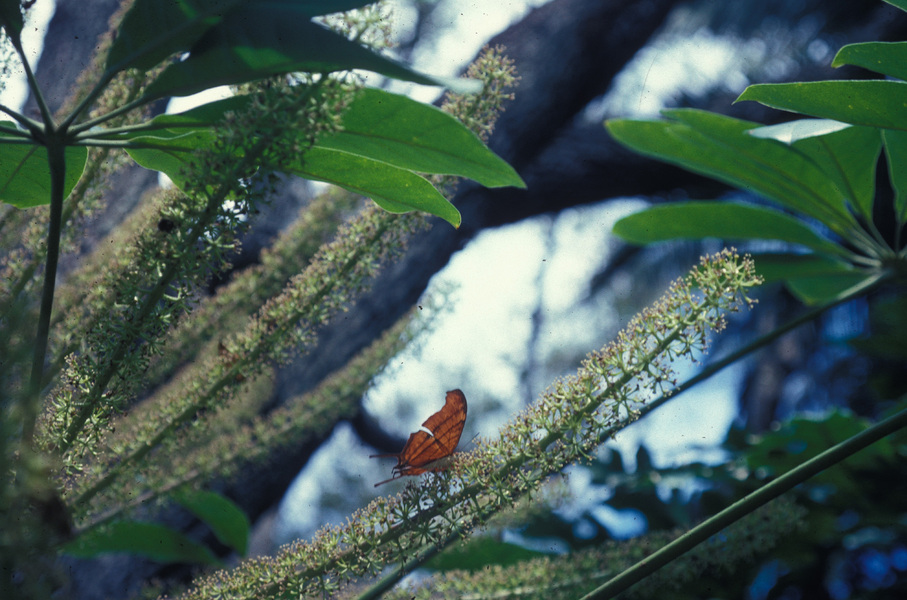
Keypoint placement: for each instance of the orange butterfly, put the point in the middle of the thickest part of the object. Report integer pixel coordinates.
(430, 448)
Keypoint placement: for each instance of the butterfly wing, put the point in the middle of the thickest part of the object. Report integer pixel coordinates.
(447, 424)
(424, 448)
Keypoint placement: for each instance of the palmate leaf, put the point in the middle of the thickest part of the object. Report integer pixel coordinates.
(813, 279)
(264, 39)
(418, 137)
(887, 58)
(153, 30)
(394, 189)
(11, 18)
(388, 135)
(23, 172)
(896, 154)
(724, 220)
(721, 148)
(847, 154)
(874, 103)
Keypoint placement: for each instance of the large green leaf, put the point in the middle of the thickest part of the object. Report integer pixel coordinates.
(887, 58)
(896, 154)
(799, 129)
(479, 553)
(724, 220)
(392, 188)
(25, 173)
(849, 158)
(153, 30)
(228, 522)
(784, 266)
(169, 154)
(823, 289)
(811, 278)
(874, 103)
(902, 4)
(419, 137)
(720, 147)
(11, 18)
(166, 142)
(253, 42)
(146, 539)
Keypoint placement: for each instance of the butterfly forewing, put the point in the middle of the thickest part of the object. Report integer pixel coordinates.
(447, 424)
(423, 448)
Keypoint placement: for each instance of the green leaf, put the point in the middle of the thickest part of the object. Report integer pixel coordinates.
(258, 41)
(419, 137)
(846, 153)
(849, 158)
(823, 289)
(25, 173)
(394, 189)
(11, 18)
(171, 155)
(874, 103)
(814, 279)
(479, 553)
(887, 58)
(155, 541)
(153, 30)
(720, 147)
(784, 266)
(794, 131)
(724, 220)
(902, 4)
(166, 142)
(209, 114)
(228, 522)
(896, 155)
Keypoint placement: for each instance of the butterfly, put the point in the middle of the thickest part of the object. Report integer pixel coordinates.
(430, 448)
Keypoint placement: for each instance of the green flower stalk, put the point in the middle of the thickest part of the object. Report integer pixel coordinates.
(285, 324)
(563, 427)
(571, 575)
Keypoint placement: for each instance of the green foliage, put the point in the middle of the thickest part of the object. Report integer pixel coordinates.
(815, 170)
(571, 419)
(80, 455)
(817, 177)
(155, 541)
(228, 522)
(233, 43)
(25, 182)
(86, 456)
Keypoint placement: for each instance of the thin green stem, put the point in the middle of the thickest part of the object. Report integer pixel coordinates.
(713, 368)
(86, 125)
(706, 373)
(56, 158)
(748, 504)
(34, 88)
(89, 98)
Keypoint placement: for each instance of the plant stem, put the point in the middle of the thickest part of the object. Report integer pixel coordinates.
(861, 288)
(56, 158)
(748, 504)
